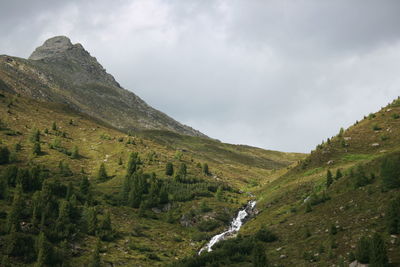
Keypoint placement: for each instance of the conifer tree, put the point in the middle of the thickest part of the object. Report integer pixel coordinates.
(259, 256)
(43, 251)
(15, 215)
(4, 155)
(102, 173)
(35, 136)
(95, 260)
(378, 256)
(182, 170)
(74, 152)
(36, 149)
(205, 169)
(54, 126)
(338, 174)
(89, 217)
(390, 172)
(70, 191)
(3, 188)
(363, 250)
(10, 175)
(37, 208)
(84, 185)
(63, 223)
(133, 163)
(393, 216)
(219, 193)
(169, 169)
(329, 178)
(163, 195)
(105, 229)
(154, 193)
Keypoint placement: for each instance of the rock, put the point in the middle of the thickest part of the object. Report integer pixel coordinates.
(279, 249)
(375, 144)
(156, 210)
(330, 162)
(282, 256)
(357, 264)
(347, 138)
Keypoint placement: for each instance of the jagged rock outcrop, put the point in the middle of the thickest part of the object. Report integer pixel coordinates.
(62, 72)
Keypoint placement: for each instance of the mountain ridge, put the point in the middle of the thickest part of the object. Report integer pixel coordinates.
(62, 72)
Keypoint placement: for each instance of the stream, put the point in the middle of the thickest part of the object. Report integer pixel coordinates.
(235, 226)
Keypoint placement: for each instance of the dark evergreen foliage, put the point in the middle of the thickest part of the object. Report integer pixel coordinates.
(4, 155)
(169, 169)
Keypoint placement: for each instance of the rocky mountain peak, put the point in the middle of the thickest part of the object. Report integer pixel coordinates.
(52, 47)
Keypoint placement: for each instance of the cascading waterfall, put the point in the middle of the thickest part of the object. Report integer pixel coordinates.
(235, 226)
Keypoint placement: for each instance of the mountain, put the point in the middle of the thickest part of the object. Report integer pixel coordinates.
(68, 179)
(62, 72)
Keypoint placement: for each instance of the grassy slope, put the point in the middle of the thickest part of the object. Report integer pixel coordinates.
(98, 143)
(356, 211)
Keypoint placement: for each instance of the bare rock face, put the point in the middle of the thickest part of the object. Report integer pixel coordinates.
(53, 47)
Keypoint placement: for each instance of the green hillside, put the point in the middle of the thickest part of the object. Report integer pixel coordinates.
(319, 221)
(46, 200)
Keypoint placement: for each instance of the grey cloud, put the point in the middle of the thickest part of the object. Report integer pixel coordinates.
(277, 74)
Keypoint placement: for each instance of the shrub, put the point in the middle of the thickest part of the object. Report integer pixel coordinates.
(4, 155)
(265, 235)
(208, 225)
(36, 149)
(169, 169)
(390, 172)
(363, 250)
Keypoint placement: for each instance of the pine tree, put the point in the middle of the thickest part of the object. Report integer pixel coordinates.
(3, 188)
(36, 149)
(63, 223)
(329, 178)
(363, 250)
(379, 256)
(219, 193)
(15, 215)
(169, 169)
(95, 260)
(390, 172)
(308, 207)
(10, 175)
(120, 161)
(163, 195)
(102, 173)
(105, 229)
(133, 163)
(90, 220)
(205, 169)
(35, 136)
(259, 256)
(54, 126)
(43, 251)
(75, 153)
(338, 174)
(4, 155)
(182, 170)
(154, 193)
(70, 191)
(84, 185)
(393, 216)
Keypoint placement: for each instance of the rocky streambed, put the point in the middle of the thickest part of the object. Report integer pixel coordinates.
(234, 227)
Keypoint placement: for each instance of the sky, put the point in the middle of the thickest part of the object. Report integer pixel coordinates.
(281, 75)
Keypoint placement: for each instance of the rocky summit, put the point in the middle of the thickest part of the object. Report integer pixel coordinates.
(62, 72)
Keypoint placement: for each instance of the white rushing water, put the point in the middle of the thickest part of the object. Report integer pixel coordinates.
(236, 223)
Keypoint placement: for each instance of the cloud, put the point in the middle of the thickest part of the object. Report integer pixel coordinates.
(276, 74)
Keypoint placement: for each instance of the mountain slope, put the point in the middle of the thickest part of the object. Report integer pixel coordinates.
(62, 72)
(319, 221)
(148, 235)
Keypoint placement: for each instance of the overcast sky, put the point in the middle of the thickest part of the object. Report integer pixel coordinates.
(281, 75)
